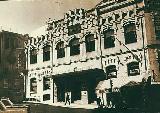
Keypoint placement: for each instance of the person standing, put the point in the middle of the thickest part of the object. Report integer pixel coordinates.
(99, 102)
(67, 99)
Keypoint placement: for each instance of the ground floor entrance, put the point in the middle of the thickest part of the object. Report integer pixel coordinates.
(80, 86)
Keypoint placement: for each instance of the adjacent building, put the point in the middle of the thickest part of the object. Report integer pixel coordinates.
(12, 65)
(103, 48)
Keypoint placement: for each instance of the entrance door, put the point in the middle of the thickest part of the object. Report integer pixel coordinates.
(76, 92)
(60, 94)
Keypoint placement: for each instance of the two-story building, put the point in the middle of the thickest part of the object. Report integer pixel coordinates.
(105, 47)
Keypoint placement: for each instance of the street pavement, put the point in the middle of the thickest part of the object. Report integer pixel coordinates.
(44, 108)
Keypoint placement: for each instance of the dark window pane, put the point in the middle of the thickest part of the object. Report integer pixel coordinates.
(46, 83)
(109, 39)
(133, 69)
(74, 47)
(158, 57)
(74, 29)
(33, 56)
(46, 53)
(90, 43)
(33, 85)
(111, 71)
(46, 97)
(6, 42)
(60, 50)
(130, 34)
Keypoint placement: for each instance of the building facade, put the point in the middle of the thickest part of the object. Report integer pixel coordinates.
(12, 64)
(105, 48)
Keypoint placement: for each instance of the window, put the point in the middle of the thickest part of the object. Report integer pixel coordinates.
(5, 83)
(157, 26)
(46, 53)
(130, 33)
(6, 42)
(90, 43)
(109, 39)
(46, 97)
(158, 57)
(60, 50)
(74, 47)
(133, 69)
(33, 56)
(74, 29)
(46, 83)
(111, 71)
(33, 85)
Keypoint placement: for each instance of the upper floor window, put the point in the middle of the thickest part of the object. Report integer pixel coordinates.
(60, 50)
(158, 58)
(90, 43)
(5, 83)
(74, 47)
(109, 39)
(111, 71)
(130, 33)
(6, 42)
(46, 53)
(33, 85)
(74, 29)
(157, 26)
(133, 68)
(33, 56)
(46, 83)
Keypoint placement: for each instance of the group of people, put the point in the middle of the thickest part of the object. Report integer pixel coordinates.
(100, 103)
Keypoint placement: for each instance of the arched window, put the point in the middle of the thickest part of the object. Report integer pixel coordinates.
(111, 71)
(33, 85)
(130, 33)
(74, 47)
(133, 69)
(46, 53)
(60, 50)
(90, 43)
(33, 56)
(109, 39)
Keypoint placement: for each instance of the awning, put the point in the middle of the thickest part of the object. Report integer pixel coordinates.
(84, 73)
(131, 83)
(105, 85)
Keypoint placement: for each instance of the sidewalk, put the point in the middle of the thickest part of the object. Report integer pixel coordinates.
(73, 105)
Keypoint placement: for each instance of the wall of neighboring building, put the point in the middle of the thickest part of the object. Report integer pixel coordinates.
(12, 64)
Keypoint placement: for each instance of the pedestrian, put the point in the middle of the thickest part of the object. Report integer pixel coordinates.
(67, 99)
(109, 100)
(99, 102)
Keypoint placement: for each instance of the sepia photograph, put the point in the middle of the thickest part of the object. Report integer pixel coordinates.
(79, 56)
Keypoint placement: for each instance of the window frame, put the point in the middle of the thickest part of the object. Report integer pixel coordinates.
(74, 29)
(90, 43)
(109, 70)
(109, 38)
(46, 97)
(33, 89)
(46, 85)
(33, 56)
(46, 53)
(130, 34)
(74, 48)
(60, 50)
(131, 67)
